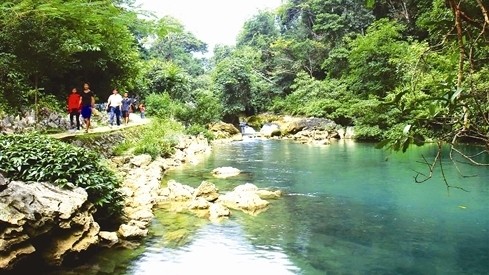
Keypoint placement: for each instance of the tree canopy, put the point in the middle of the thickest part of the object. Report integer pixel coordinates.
(401, 71)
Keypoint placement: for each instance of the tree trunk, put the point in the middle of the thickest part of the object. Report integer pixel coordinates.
(36, 99)
(460, 75)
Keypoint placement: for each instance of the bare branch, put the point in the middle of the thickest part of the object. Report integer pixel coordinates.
(431, 168)
(469, 159)
(484, 11)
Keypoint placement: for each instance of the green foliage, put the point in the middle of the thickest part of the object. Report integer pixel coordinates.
(159, 138)
(48, 44)
(240, 86)
(197, 129)
(38, 158)
(162, 106)
(373, 59)
(179, 47)
(204, 109)
(123, 147)
(311, 97)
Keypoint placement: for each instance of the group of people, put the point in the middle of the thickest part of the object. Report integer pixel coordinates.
(83, 103)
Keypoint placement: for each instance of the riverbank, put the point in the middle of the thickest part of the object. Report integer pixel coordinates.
(141, 178)
(51, 225)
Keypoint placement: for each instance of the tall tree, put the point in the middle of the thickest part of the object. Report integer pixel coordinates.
(68, 42)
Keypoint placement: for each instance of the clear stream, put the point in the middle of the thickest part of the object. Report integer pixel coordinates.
(347, 208)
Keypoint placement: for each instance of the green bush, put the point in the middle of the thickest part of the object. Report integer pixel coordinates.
(204, 109)
(368, 133)
(159, 105)
(33, 157)
(158, 138)
(122, 147)
(197, 129)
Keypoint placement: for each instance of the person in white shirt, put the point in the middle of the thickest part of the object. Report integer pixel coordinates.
(114, 107)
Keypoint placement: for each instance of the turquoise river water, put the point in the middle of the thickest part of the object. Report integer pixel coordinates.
(347, 208)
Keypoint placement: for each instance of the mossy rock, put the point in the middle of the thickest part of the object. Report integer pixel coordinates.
(257, 121)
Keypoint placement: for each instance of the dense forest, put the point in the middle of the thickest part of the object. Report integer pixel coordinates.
(402, 71)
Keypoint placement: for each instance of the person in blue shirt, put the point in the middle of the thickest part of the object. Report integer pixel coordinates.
(126, 108)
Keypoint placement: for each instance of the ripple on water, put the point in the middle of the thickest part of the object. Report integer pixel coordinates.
(216, 249)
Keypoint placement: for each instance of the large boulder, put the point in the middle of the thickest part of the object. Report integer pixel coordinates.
(207, 190)
(224, 130)
(3, 183)
(311, 124)
(59, 220)
(132, 231)
(179, 192)
(270, 130)
(141, 160)
(108, 239)
(244, 198)
(225, 172)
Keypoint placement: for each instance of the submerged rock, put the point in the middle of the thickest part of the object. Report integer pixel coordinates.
(199, 203)
(244, 198)
(217, 211)
(247, 187)
(267, 194)
(225, 172)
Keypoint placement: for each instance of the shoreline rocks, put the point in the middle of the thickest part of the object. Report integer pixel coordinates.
(305, 130)
(49, 223)
(47, 220)
(141, 185)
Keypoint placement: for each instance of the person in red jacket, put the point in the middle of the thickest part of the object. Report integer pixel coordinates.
(74, 108)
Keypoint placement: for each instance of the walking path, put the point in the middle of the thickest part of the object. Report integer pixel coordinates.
(133, 121)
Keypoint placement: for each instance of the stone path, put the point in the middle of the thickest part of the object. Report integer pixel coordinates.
(133, 121)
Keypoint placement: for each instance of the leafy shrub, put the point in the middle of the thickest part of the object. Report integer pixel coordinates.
(159, 105)
(368, 133)
(33, 157)
(197, 129)
(158, 138)
(207, 109)
(204, 109)
(122, 147)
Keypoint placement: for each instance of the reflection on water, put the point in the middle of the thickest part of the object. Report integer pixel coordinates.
(348, 209)
(216, 249)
